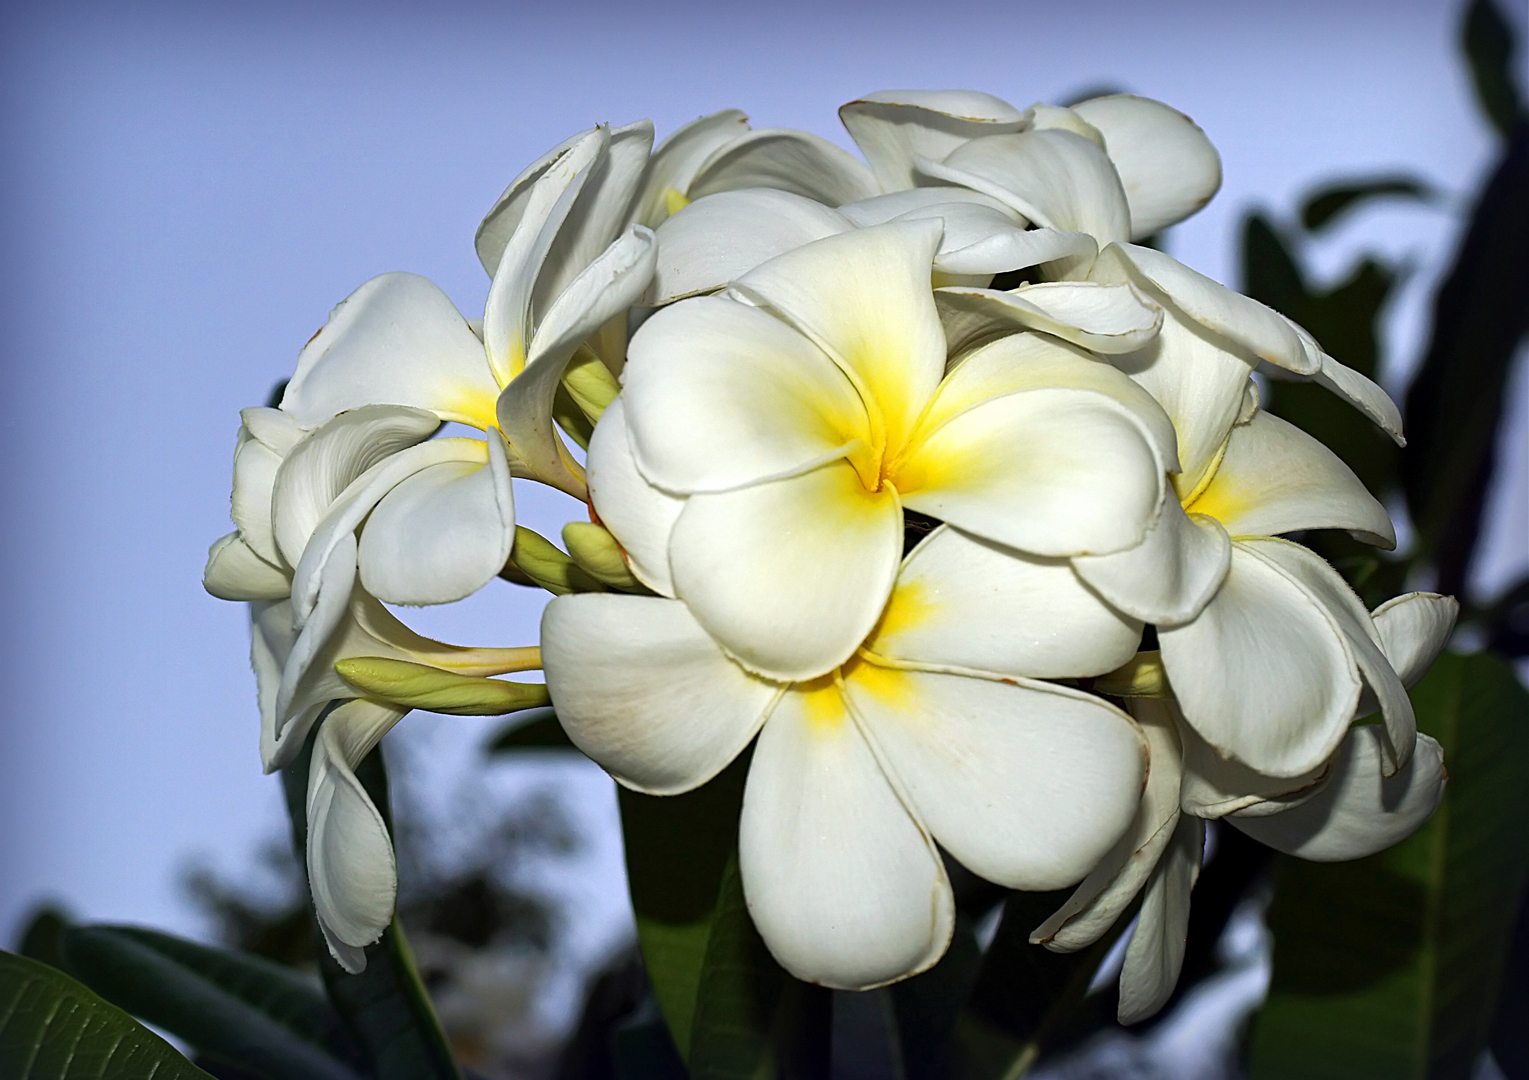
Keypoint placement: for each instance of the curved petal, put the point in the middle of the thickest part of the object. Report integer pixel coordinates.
(235, 572)
(351, 868)
(1169, 169)
(895, 128)
(716, 240)
(642, 689)
(605, 289)
(1156, 952)
(880, 209)
(271, 637)
(794, 161)
(1055, 178)
(1214, 786)
(1260, 330)
(307, 677)
(843, 883)
(1274, 478)
(397, 340)
(1028, 784)
(1103, 318)
(1358, 810)
(720, 394)
(321, 467)
(278, 431)
(1114, 882)
(865, 298)
(255, 468)
(639, 515)
(674, 164)
(1413, 629)
(509, 313)
(1363, 394)
(1053, 472)
(504, 218)
(1329, 589)
(441, 534)
(1265, 674)
(967, 603)
(789, 576)
(1170, 576)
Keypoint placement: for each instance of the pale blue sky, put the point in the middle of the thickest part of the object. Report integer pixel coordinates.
(189, 191)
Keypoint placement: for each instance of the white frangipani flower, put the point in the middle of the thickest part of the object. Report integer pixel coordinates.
(934, 729)
(798, 426)
(1347, 808)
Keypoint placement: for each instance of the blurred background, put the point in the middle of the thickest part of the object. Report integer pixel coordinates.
(189, 189)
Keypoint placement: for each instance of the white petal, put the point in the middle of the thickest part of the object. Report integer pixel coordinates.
(1168, 167)
(1274, 478)
(865, 298)
(441, 534)
(1413, 629)
(1028, 784)
(1029, 361)
(964, 602)
(716, 240)
(639, 515)
(1264, 673)
(895, 128)
(1214, 786)
(1111, 886)
(1102, 318)
(1329, 589)
(642, 689)
(1357, 811)
(789, 576)
(720, 394)
(1156, 952)
(606, 288)
(324, 465)
(306, 676)
(351, 867)
(397, 340)
(1260, 330)
(1055, 178)
(235, 572)
(674, 164)
(278, 431)
(880, 209)
(794, 161)
(271, 639)
(510, 313)
(845, 887)
(1055, 472)
(500, 223)
(255, 467)
(1364, 394)
(1171, 575)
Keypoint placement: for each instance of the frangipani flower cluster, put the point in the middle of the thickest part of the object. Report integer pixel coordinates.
(916, 476)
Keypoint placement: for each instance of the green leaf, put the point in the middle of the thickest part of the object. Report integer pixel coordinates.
(385, 1007)
(1389, 967)
(677, 851)
(928, 1007)
(1323, 207)
(40, 938)
(240, 1009)
(1488, 42)
(52, 1028)
(1455, 403)
(536, 729)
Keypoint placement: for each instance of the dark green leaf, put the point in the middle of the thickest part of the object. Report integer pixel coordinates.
(534, 729)
(928, 1007)
(1388, 967)
(240, 1009)
(677, 851)
(52, 1028)
(1455, 403)
(1488, 42)
(1321, 208)
(40, 938)
(385, 1007)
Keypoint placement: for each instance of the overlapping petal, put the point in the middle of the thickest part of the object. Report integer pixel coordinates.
(236, 572)
(1103, 318)
(675, 162)
(645, 691)
(791, 575)
(639, 515)
(1414, 629)
(842, 881)
(1026, 783)
(895, 129)
(794, 161)
(967, 603)
(1156, 950)
(1171, 575)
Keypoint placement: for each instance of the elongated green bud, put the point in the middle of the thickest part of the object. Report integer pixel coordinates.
(537, 560)
(1140, 676)
(420, 686)
(596, 552)
(590, 383)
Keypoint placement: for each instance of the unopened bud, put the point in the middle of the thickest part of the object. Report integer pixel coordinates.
(537, 560)
(597, 554)
(1141, 676)
(420, 686)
